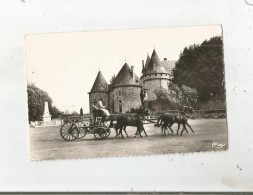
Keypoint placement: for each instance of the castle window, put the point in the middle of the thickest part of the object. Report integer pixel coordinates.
(120, 101)
(120, 109)
(161, 74)
(155, 74)
(101, 99)
(150, 75)
(120, 92)
(94, 101)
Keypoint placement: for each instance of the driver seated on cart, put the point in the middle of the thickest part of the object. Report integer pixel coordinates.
(99, 106)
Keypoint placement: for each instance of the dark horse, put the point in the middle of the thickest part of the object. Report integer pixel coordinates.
(167, 120)
(133, 119)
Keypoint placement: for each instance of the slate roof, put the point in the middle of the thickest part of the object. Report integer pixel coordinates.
(125, 78)
(146, 65)
(147, 62)
(155, 65)
(100, 84)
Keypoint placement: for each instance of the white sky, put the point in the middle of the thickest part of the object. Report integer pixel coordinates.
(66, 64)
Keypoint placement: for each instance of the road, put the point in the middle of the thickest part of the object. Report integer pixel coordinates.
(47, 144)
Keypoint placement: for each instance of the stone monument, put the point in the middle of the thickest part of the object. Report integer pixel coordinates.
(46, 115)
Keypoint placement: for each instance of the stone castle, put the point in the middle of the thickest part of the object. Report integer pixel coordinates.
(127, 89)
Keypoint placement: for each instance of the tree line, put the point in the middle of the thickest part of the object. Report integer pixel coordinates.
(202, 67)
(36, 99)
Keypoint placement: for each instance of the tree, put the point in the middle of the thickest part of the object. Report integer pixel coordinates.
(36, 99)
(112, 79)
(201, 67)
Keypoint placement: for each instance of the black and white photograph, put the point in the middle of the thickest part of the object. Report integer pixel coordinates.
(130, 92)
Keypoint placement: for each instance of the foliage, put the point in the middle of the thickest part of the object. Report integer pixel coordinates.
(201, 67)
(112, 79)
(36, 99)
(140, 111)
(165, 100)
(214, 103)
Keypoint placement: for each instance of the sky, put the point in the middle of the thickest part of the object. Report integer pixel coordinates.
(65, 65)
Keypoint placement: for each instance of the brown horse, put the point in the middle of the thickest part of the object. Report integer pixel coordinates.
(133, 118)
(181, 118)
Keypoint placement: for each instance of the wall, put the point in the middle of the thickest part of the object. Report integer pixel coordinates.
(152, 82)
(97, 96)
(130, 98)
(111, 102)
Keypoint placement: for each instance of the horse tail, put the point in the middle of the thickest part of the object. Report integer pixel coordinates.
(159, 120)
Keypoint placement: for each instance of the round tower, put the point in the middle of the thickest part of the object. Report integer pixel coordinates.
(126, 90)
(99, 91)
(155, 76)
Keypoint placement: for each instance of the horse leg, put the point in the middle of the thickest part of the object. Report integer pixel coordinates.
(116, 130)
(144, 130)
(166, 130)
(184, 128)
(139, 129)
(121, 132)
(157, 123)
(178, 127)
(170, 128)
(163, 130)
(125, 131)
(190, 127)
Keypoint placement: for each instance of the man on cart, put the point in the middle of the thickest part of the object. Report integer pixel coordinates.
(98, 106)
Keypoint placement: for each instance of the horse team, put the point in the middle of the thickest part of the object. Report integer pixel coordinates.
(165, 121)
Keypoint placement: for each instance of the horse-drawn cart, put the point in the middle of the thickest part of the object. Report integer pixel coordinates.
(76, 127)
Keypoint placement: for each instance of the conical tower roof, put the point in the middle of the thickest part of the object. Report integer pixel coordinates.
(100, 84)
(125, 77)
(155, 65)
(147, 62)
(146, 65)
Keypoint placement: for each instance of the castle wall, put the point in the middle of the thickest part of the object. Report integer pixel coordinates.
(103, 96)
(127, 97)
(153, 81)
(111, 102)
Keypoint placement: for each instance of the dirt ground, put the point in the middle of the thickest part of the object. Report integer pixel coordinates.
(46, 143)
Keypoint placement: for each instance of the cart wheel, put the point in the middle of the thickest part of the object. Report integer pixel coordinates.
(81, 130)
(107, 132)
(104, 133)
(69, 131)
(97, 134)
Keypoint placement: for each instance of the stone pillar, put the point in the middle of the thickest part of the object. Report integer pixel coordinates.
(46, 115)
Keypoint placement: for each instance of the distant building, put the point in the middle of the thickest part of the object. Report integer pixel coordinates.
(125, 91)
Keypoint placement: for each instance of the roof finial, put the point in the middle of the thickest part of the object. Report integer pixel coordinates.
(148, 54)
(99, 68)
(125, 60)
(154, 47)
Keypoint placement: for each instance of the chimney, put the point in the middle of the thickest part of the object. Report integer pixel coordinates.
(132, 71)
(165, 59)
